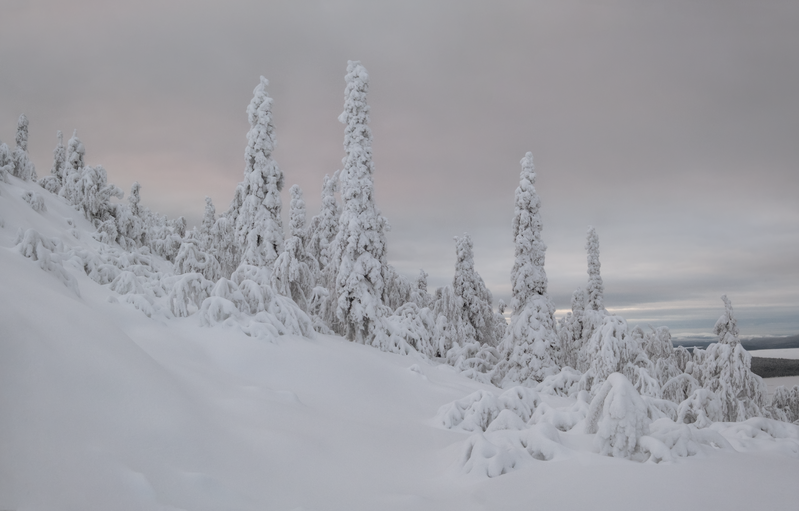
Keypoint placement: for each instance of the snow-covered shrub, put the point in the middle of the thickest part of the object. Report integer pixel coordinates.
(188, 293)
(471, 413)
(702, 408)
(477, 411)
(294, 320)
(35, 200)
(785, 404)
(191, 259)
(414, 326)
(678, 388)
(564, 418)
(473, 360)
(47, 252)
(498, 452)
(668, 441)
(216, 309)
(127, 282)
(565, 383)
(618, 416)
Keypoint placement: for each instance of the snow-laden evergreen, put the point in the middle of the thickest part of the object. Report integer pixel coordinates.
(55, 180)
(595, 287)
(324, 226)
(6, 163)
(256, 208)
(294, 271)
(23, 166)
(530, 348)
(359, 249)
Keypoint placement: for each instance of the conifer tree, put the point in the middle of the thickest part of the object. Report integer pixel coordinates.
(324, 226)
(73, 168)
(726, 371)
(55, 180)
(359, 259)
(595, 286)
(470, 288)
(23, 167)
(527, 349)
(297, 213)
(6, 162)
(293, 273)
(259, 228)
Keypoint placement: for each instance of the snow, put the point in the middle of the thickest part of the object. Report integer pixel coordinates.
(789, 353)
(124, 386)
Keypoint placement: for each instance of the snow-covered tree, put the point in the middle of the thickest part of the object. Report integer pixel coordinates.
(324, 226)
(192, 259)
(726, 371)
(595, 286)
(359, 251)
(297, 213)
(55, 180)
(476, 298)
(207, 225)
(73, 166)
(419, 294)
(293, 273)
(531, 340)
(570, 331)
(6, 162)
(259, 228)
(618, 416)
(130, 220)
(23, 167)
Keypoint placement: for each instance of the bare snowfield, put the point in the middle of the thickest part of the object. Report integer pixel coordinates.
(789, 353)
(102, 407)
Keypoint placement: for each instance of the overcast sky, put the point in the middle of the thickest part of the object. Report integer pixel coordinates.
(672, 127)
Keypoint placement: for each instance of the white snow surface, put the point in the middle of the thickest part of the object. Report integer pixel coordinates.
(103, 407)
(789, 353)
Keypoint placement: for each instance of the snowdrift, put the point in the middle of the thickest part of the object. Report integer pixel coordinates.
(125, 386)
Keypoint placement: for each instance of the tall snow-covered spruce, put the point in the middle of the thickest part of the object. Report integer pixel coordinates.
(359, 252)
(259, 228)
(23, 167)
(595, 286)
(527, 347)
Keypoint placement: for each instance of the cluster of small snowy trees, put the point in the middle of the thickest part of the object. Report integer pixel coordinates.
(331, 274)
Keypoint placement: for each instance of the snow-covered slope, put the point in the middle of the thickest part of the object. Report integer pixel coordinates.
(102, 407)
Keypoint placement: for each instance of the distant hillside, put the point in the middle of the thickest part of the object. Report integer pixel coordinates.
(756, 343)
